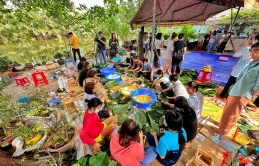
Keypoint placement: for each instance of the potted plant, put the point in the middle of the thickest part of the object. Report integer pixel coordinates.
(59, 57)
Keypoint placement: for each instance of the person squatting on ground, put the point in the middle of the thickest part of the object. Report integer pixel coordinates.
(95, 130)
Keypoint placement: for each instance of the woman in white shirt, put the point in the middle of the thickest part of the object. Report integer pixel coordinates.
(169, 53)
(158, 45)
(213, 37)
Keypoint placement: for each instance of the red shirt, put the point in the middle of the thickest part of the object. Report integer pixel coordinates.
(92, 127)
(130, 156)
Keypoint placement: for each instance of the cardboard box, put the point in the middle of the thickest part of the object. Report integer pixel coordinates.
(198, 141)
(229, 145)
(187, 154)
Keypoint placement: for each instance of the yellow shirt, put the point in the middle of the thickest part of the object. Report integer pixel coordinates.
(75, 42)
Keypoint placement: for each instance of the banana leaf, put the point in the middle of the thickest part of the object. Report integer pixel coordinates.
(122, 111)
(100, 159)
(153, 124)
(140, 118)
(164, 98)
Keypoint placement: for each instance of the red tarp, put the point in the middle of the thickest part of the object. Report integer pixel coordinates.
(179, 12)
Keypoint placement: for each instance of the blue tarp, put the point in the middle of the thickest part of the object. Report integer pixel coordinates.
(221, 69)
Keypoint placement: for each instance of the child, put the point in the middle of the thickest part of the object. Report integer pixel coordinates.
(162, 82)
(116, 60)
(146, 69)
(177, 88)
(156, 66)
(94, 129)
(195, 99)
(127, 145)
(170, 145)
(190, 122)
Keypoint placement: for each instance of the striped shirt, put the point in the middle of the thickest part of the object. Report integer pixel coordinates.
(242, 62)
(195, 101)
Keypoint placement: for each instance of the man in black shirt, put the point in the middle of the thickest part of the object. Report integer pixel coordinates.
(80, 64)
(101, 47)
(180, 48)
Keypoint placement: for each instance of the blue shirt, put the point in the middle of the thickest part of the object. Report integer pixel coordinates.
(247, 81)
(116, 59)
(169, 141)
(147, 66)
(242, 62)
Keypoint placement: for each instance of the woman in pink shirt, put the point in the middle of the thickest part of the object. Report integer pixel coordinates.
(127, 145)
(94, 129)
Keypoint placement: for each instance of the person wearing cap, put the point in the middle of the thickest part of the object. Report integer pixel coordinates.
(74, 42)
(101, 47)
(80, 64)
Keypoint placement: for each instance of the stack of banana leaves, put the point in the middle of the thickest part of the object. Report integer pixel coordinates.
(99, 66)
(207, 89)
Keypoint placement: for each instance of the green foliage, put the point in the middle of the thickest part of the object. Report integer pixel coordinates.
(4, 63)
(189, 32)
(122, 111)
(166, 36)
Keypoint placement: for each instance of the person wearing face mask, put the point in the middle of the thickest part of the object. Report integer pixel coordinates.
(94, 129)
(245, 89)
(170, 146)
(146, 69)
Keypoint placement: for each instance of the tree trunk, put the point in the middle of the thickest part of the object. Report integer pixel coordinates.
(140, 44)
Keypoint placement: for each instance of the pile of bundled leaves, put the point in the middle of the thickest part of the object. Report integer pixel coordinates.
(207, 89)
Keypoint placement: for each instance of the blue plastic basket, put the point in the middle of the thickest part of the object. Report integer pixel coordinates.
(107, 70)
(117, 79)
(143, 91)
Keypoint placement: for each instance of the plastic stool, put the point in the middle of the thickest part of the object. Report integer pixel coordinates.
(204, 76)
(43, 77)
(21, 81)
(68, 59)
(199, 47)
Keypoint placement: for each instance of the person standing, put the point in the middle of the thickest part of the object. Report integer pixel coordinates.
(205, 42)
(213, 37)
(113, 43)
(74, 42)
(158, 46)
(245, 89)
(101, 47)
(223, 42)
(238, 67)
(180, 48)
(145, 42)
(169, 52)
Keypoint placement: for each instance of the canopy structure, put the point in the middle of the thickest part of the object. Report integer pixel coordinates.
(181, 12)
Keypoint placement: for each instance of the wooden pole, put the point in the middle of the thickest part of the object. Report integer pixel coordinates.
(140, 43)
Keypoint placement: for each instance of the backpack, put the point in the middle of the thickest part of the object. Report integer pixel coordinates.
(178, 52)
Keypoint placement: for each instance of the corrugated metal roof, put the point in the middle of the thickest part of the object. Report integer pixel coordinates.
(180, 12)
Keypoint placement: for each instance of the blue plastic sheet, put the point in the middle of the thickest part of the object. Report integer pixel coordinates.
(221, 69)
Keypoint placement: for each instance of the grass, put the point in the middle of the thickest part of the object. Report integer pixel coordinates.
(42, 50)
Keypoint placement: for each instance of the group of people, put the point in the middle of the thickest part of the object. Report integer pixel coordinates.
(126, 142)
(101, 46)
(211, 38)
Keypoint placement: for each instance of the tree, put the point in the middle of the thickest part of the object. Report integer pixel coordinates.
(189, 32)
